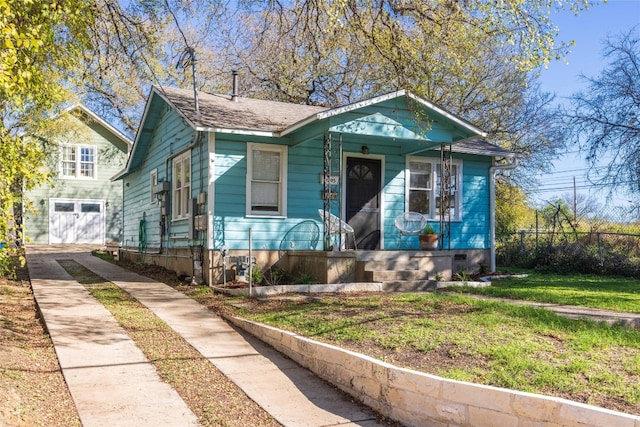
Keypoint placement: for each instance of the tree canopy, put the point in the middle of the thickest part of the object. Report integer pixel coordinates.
(604, 119)
(41, 41)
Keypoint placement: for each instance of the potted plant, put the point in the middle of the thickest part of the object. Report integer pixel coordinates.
(428, 238)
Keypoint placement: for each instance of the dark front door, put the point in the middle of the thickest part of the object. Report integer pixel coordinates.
(363, 201)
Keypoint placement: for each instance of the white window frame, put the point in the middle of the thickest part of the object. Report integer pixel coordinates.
(181, 194)
(153, 181)
(434, 187)
(281, 210)
(78, 161)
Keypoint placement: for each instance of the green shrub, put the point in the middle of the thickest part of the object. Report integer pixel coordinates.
(256, 275)
(304, 278)
(276, 276)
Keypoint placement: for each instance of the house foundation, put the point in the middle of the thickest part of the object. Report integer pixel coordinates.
(393, 268)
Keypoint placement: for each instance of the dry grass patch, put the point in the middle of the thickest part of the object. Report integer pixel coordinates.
(32, 389)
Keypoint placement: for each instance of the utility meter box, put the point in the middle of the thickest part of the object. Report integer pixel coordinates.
(202, 198)
(200, 223)
(243, 265)
(161, 187)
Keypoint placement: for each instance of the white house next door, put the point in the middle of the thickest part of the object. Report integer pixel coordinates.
(76, 221)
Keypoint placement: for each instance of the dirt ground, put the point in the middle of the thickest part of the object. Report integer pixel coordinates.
(32, 389)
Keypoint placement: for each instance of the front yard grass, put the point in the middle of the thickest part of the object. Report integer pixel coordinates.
(611, 293)
(461, 337)
(487, 342)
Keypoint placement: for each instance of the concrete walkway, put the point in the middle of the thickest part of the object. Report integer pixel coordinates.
(113, 384)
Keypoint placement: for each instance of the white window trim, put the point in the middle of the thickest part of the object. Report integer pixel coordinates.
(282, 202)
(432, 216)
(78, 161)
(153, 180)
(185, 208)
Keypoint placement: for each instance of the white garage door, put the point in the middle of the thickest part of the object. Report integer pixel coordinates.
(76, 221)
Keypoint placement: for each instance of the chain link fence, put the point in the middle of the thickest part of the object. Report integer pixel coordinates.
(563, 241)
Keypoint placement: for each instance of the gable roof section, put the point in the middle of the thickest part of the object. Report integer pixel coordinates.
(248, 116)
(220, 113)
(433, 110)
(100, 121)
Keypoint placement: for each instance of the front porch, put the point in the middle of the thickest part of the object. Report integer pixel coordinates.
(396, 270)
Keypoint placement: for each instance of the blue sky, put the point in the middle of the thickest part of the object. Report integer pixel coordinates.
(588, 30)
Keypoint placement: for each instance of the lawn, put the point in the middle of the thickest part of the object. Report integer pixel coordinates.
(459, 337)
(612, 293)
(481, 341)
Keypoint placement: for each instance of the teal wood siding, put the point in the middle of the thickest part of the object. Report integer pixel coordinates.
(111, 158)
(231, 225)
(142, 217)
(472, 232)
(394, 198)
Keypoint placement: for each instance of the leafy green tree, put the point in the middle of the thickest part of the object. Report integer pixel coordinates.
(476, 58)
(513, 211)
(557, 215)
(41, 39)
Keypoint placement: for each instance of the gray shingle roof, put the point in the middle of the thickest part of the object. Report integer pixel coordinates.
(481, 147)
(220, 112)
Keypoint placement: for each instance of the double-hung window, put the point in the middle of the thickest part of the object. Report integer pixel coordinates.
(266, 179)
(78, 161)
(425, 188)
(181, 185)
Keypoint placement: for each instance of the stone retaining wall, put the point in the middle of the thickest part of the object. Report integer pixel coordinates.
(260, 291)
(417, 399)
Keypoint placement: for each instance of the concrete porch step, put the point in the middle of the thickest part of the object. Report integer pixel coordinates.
(390, 265)
(390, 275)
(409, 285)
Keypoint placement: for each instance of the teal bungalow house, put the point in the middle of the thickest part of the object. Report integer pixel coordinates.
(214, 179)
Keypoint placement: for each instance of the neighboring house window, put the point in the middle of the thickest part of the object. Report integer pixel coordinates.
(181, 185)
(266, 179)
(78, 161)
(153, 181)
(424, 188)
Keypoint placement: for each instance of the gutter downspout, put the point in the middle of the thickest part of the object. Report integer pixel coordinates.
(513, 163)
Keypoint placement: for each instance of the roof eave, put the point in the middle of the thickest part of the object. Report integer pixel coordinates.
(372, 101)
(459, 121)
(134, 146)
(121, 136)
(246, 132)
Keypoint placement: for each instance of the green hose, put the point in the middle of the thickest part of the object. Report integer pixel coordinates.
(142, 238)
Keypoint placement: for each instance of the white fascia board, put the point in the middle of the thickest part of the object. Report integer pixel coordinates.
(105, 124)
(361, 104)
(238, 131)
(340, 110)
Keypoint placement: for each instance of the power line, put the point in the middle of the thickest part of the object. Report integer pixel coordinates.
(570, 186)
